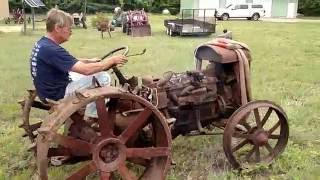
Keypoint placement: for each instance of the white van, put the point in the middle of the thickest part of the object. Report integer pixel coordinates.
(249, 11)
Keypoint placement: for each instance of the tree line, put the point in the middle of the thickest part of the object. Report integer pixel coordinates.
(155, 6)
(309, 7)
(306, 7)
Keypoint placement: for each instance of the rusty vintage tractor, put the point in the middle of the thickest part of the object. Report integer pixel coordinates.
(136, 23)
(137, 120)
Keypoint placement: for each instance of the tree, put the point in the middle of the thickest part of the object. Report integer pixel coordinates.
(309, 7)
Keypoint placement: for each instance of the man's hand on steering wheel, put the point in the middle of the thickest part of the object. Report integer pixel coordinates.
(118, 60)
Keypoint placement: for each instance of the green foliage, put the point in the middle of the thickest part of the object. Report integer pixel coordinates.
(159, 5)
(309, 7)
(94, 6)
(72, 6)
(14, 4)
(100, 17)
(174, 10)
(155, 6)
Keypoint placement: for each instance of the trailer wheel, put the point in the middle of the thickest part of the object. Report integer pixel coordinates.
(256, 132)
(171, 33)
(131, 138)
(167, 31)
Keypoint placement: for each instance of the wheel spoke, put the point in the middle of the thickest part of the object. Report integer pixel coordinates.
(257, 117)
(246, 125)
(35, 126)
(76, 146)
(250, 153)
(125, 173)
(266, 116)
(135, 125)
(274, 128)
(274, 136)
(139, 161)
(105, 175)
(147, 153)
(83, 172)
(105, 119)
(269, 148)
(257, 153)
(241, 135)
(240, 145)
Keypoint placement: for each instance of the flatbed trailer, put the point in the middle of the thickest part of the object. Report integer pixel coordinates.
(193, 22)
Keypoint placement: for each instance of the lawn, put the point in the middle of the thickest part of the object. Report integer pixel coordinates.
(285, 69)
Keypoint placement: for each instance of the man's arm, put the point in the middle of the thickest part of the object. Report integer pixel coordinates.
(91, 68)
(89, 60)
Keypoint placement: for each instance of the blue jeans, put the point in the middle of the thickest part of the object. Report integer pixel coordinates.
(80, 82)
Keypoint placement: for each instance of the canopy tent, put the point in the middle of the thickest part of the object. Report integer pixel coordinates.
(33, 4)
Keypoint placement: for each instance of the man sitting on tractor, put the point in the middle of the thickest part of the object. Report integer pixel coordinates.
(50, 63)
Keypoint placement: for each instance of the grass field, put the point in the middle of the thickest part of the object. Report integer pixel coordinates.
(285, 69)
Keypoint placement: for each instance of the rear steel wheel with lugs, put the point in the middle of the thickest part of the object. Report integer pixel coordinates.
(115, 147)
(256, 132)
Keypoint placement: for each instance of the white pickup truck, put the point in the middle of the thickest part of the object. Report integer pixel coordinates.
(249, 11)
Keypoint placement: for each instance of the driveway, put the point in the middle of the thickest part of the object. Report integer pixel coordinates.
(11, 28)
(290, 20)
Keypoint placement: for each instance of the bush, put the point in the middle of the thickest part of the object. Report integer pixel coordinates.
(309, 7)
(173, 7)
(100, 17)
(14, 4)
(96, 7)
(136, 5)
(174, 10)
(91, 7)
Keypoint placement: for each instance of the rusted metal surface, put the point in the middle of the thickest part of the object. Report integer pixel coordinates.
(109, 147)
(26, 105)
(256, 132)
(133, 125)
(137, 24)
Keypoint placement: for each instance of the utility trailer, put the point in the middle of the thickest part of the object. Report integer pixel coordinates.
(193, 22)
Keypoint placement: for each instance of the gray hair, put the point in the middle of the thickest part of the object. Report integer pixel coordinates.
(57, 17)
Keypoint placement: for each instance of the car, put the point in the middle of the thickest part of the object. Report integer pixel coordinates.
(249, 11)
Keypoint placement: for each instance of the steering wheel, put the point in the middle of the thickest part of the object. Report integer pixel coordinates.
(121, 78)
(125, 50)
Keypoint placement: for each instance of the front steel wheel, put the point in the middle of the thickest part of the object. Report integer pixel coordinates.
(256, 132)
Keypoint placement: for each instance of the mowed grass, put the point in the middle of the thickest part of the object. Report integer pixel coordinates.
(285, 69)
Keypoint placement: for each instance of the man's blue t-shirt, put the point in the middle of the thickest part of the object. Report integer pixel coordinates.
(50, 65)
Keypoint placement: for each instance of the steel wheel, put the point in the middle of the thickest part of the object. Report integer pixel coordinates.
(256, 132)
(115, 147)
(28, 124)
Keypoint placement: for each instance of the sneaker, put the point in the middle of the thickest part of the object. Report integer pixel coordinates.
(58, 160)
